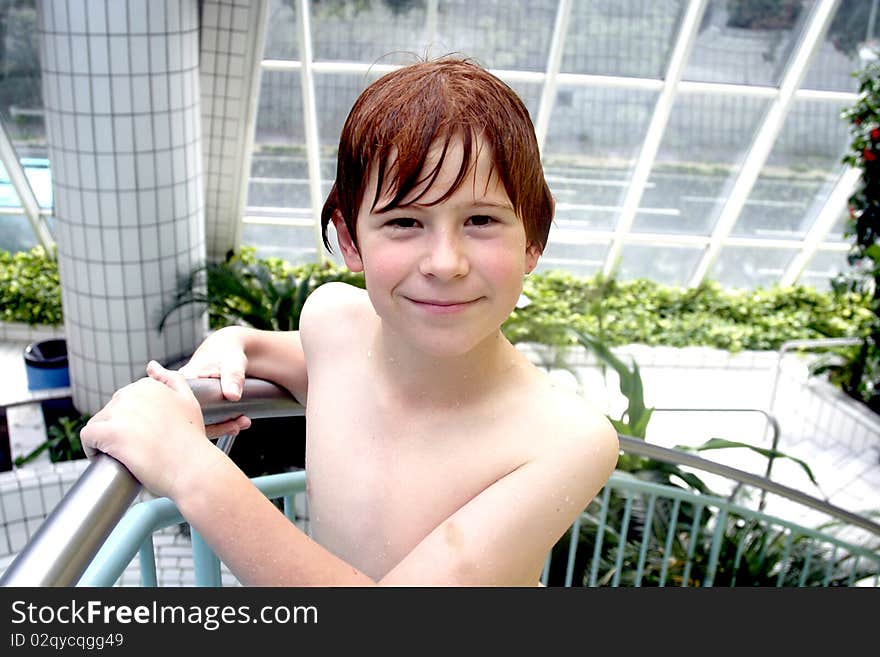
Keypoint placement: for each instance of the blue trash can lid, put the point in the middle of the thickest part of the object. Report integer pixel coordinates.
(47, 354)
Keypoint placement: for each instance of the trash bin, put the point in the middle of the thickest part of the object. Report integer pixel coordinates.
(46, 364)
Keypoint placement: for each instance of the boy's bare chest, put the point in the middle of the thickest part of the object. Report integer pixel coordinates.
(381, 480)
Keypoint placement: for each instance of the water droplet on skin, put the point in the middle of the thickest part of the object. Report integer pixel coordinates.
(369, 353)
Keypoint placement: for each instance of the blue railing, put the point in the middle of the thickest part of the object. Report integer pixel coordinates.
(634, 533)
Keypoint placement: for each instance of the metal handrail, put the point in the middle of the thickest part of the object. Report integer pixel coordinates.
(67, 541)
(771, 420)
(824, 343)
(70, 537)
(676, 457)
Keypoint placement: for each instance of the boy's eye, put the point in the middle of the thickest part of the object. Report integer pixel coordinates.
(480, 220)
(402, 222)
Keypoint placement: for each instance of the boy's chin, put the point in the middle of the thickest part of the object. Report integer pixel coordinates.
(450, 347)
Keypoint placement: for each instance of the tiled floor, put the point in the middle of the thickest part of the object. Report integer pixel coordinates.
(841, 448)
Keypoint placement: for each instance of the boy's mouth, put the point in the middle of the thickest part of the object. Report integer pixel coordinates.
(443, 306)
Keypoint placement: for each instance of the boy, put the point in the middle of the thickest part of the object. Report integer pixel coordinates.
(436, 453)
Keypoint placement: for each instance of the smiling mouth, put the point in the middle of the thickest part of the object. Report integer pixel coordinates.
(442, 305)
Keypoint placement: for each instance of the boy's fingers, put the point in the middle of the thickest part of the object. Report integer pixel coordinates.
(232, 380)
(229, 427)
(190, 371)
(174, 380)
(220, 429)
(90, 437)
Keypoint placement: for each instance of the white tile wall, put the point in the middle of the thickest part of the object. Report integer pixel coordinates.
(121, 193)
(231, 48)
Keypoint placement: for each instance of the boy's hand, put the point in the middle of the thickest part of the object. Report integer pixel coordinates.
(220, 356)
(154, 427)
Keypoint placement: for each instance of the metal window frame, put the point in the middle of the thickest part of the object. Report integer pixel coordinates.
(554, 62)
(310, 119)
(687, 34)
(26, 197)
(781, 97)
(808, 44)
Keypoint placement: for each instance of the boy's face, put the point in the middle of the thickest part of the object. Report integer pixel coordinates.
(443, 277)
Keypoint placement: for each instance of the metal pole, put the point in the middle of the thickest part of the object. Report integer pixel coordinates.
(67, 541)
(310, 120)
(690, 26)
(25, 193)
(554, 62)
(765, 138)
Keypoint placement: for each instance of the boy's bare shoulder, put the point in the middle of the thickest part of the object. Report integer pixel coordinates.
(336, 296)
(334, 306)
(567, 425)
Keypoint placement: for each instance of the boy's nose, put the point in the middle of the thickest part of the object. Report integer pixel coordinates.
(445, 258)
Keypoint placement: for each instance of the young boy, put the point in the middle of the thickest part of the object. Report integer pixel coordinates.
(436, 453)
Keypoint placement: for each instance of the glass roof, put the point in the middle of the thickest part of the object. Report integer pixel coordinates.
(682, 139)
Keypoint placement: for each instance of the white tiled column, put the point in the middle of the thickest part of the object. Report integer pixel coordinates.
(121, 92)
(231, 49)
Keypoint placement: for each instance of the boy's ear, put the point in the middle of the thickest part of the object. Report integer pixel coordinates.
(350, 252)
(533, 252)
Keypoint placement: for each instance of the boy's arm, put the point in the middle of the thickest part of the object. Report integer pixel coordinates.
(499, 537)
(505, 532)
(154, 427)
(233, 352)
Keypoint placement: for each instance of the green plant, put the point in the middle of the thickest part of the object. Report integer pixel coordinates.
(749, 553)
(62, 442)
(634, 424)
(268, 294)
(763, 551)
(644, 312)
(263, 293)
(30, 290)
(859, 371)
(619, 312)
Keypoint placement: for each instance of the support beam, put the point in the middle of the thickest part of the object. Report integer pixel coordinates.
(831, 211)
(808, 45)
(656, 129)
(431, 14)
(554, 61)
(25, 194)
(310, 118)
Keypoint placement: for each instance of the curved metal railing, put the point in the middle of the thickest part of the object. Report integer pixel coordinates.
(61, 549)
(70, 537)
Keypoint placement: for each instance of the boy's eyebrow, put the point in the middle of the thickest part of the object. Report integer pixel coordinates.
(490, 204)
(475, 204)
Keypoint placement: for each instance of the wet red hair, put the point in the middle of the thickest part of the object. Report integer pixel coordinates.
(397, 120)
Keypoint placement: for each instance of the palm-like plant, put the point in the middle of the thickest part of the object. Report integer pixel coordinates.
(265, 294)
(680, 537)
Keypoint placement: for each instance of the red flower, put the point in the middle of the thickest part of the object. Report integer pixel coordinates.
(875, 133)
(869, 155)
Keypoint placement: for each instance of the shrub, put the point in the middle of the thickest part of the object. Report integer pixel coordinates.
(30, 291)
